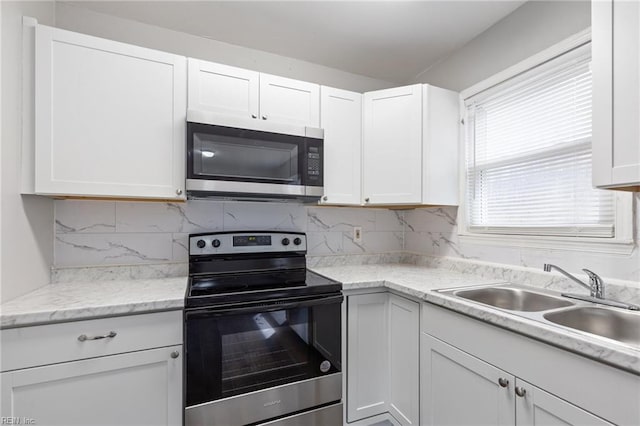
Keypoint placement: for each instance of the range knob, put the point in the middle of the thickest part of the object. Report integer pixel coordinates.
(297, 241)
(285, 241)
(216, 243)
(201, 244)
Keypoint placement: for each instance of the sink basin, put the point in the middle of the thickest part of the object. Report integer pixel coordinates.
(514, 299)
(623, 326)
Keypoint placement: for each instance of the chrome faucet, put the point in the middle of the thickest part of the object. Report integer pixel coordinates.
(595, 286)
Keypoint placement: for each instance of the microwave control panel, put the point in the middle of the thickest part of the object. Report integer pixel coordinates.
(314, 164)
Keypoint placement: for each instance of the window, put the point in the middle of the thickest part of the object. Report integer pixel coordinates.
(528, 155)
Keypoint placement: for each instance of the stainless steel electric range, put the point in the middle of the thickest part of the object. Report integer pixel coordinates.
(262, 333)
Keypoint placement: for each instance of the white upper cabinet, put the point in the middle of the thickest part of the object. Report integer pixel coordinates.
(440, 140)
(222, 89)
(284, 100)
(616, 94)
(109, 118)
(341, 119)
(410, 146)
(236, 92)
(392, 147)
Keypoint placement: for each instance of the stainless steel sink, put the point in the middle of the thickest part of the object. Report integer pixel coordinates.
(514, 299)
(623, 326)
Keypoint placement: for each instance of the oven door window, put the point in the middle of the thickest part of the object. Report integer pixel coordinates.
(240, 158)
(232, 354)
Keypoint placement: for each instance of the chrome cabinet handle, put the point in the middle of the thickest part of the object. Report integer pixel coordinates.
(179, 191)
(503, 382)
(84, 337)
(264, 117)
(175, 354)
(254, 116)
(520, 391)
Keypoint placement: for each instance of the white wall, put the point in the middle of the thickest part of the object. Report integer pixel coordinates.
(78, 19)
(531, 28)
(26, 222)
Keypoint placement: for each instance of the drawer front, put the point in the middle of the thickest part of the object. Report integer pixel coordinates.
(48, 344)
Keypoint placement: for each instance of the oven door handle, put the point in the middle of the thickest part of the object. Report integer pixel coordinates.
(267, 307)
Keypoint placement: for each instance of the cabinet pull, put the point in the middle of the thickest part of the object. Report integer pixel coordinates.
(366, 200)
(503, 382)
(325, 198)
(264, 117)
(254, 116)
(175, 354)
(84, 337)
(179, 191)
(520, 391)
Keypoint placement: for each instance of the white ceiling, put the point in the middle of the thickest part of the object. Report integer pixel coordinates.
(388, 40)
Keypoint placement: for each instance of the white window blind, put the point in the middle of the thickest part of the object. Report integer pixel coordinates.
(528, 155)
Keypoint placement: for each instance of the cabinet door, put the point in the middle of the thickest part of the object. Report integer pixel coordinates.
(222, 89)
(616, 93)
(404, 337)
(392, 147)
(110, 118)
(538, 408)
(341, 119)
(283, 100)
(137, 388)
(440, 131)
(367, 356)
(459, 389)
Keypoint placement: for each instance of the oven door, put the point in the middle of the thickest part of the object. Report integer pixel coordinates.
(256, 362)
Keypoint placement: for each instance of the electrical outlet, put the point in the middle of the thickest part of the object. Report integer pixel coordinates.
(357, 234)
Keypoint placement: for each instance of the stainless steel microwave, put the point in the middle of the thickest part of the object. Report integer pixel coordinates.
(242, 158)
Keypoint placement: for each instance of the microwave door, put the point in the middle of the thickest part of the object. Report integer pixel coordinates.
(235, 158)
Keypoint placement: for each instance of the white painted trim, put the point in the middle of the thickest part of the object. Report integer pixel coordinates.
(27, 177)
(552, 52)
(623, 242)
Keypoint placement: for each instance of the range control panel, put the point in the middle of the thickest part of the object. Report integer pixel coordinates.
(246, 242)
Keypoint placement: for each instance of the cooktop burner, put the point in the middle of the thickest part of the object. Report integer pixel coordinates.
(242, 267)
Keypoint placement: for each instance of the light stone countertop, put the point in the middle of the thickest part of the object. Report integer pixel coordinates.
(92, 299)
(86, 300)
(420, 282)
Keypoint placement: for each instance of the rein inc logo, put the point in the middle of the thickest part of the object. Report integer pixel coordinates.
(17, 421)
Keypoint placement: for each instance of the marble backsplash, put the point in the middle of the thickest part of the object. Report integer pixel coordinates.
(434, 232)
(102, 233)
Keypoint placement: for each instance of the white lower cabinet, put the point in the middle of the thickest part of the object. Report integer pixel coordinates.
(382, 357)
(539, 408)
(137, 388)
(452, 379)
(112, 371)
(367, 356)
(404, 329)
(473, 373)
(459, 389)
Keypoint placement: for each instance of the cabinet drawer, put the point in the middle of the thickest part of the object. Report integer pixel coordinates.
(48, 344)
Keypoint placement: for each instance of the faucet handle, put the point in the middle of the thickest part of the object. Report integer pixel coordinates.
(597, 285)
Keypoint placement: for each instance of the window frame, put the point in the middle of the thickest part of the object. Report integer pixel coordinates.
(621, 243)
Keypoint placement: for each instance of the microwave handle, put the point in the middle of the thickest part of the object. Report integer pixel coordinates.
(266, 307)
